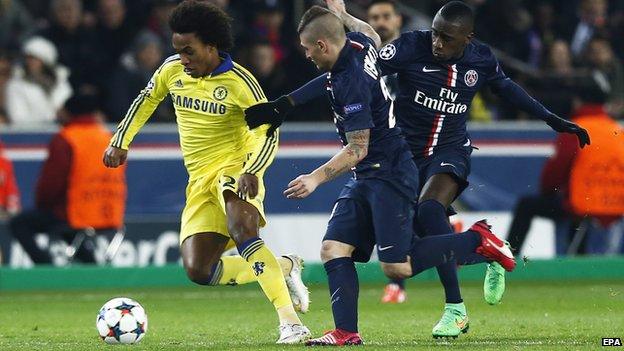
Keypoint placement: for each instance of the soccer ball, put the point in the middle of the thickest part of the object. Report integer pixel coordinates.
(121, 321)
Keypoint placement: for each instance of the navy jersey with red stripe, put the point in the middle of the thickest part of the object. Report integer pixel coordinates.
(434, 97)
(360, 100)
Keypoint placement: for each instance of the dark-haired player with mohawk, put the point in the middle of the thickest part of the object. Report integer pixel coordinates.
(439, 72)
(224, 159)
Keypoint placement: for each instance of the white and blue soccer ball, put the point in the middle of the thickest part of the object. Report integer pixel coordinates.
(121, 321)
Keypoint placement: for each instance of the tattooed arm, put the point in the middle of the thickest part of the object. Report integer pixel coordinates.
(347, 158)
(354, 24)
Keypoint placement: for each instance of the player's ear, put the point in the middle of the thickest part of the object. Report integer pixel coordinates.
(469, 37)
(322, 45)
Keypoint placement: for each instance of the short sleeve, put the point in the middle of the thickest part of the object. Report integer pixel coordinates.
(394, 56)
(354, 100)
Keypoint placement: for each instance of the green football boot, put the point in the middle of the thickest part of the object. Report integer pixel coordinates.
(454, 321)
(494, 283)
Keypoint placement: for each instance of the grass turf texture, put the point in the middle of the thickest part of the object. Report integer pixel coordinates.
(538, 315)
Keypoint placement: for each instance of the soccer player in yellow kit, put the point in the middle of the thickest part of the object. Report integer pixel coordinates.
(224, 159)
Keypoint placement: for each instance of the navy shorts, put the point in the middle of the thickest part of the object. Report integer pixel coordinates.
(373, 211)
(454, 161)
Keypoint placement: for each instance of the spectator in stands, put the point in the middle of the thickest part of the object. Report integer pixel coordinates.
(158, 23)
(233, 10)
(559, 59)
(599, 55)
(9, 193)
(135, 70)
(576, 182)
(75, 41)
(542, 33)
(5, 76)
(38, 88)
(74, 190)
(267, 24)
(260, 58)
(4, 118)
(15, 24)
(553, 85)
(591, 20)
(386, 20)
(505, 24)
(114, 34)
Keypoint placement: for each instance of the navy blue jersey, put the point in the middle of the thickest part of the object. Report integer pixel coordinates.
(434, 97)
(360, 100)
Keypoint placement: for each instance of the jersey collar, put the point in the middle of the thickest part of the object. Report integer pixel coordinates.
(224, 66)
(342, 57)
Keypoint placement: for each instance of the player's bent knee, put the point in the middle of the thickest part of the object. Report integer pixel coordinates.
(397, 270)
(331, 249)
(201, 275)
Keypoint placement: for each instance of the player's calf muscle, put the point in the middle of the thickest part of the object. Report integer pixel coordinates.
(243, 219)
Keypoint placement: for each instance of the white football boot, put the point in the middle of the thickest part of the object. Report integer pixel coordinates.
(299, 293)
(293, 334)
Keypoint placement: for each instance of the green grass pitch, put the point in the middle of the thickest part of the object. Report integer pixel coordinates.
(558, 315)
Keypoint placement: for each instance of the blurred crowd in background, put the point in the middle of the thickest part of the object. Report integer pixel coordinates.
(52, 49)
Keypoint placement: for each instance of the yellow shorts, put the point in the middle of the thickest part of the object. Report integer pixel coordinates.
(204, 211)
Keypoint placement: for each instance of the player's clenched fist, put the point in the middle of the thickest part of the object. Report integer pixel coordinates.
(248, 186)
(301, 187)
(114, 157)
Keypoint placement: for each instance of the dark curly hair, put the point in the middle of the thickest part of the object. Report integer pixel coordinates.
(211, 24)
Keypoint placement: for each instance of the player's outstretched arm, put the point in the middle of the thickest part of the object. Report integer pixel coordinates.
(354, 24)
(275, 112)
(517, 96)
(355, 151)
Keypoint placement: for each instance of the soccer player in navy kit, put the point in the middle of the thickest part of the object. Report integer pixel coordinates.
(376, 206)
(439, 72)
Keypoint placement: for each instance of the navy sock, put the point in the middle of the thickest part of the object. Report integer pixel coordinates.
(399, 282)
(434, 221)
(343, 290)
(433, 251)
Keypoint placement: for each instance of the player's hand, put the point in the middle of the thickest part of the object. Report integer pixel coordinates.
(272, 112)
(563, 126)
(114, 157)
(247, 186)
(336, 6)
(301, 187)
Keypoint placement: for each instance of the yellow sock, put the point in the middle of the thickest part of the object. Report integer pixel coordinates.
(268, 272)
(286, 264)
(234, 270)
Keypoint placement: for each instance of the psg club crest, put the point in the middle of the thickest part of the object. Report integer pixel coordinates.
(471, 77)
(387, 52)
(220, 93)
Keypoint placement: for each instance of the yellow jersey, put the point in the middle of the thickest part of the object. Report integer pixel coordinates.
(209, 115)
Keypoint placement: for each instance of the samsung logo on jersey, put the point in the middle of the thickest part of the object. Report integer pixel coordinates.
(439, 104)
(198, 104)
(353, 108)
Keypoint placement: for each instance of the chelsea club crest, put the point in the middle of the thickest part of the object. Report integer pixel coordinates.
(220, 93)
